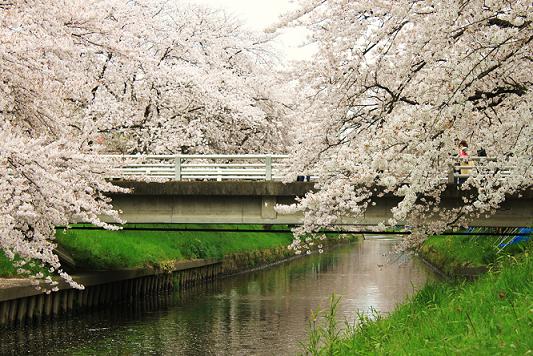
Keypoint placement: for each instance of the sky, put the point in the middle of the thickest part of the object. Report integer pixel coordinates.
(260, 14)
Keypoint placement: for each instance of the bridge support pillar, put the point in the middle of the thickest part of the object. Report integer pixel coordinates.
(267, 207)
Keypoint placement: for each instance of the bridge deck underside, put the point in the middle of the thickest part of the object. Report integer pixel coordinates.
(254, 202)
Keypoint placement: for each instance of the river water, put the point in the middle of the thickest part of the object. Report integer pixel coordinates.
(264, 312)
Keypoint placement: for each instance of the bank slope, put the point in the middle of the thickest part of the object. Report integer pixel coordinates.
(468, 255)
(490, 316)
(96, 249)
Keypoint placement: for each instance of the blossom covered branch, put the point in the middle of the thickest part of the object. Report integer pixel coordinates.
(76, 77)
(394, 87)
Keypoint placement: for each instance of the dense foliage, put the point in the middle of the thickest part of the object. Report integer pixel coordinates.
(77, 77)
(394, 88)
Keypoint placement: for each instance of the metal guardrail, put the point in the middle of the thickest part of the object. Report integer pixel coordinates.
(465, 167)
(260, 167)
(200, 167)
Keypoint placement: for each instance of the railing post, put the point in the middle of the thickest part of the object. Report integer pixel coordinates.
(268, 167)
(451, 174)
(177, 167)
(219, 171)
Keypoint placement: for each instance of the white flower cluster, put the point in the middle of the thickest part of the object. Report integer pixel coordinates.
(194, 81)
(153, 76)
(395, 86)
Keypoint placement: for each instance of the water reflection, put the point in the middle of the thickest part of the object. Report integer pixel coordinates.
(262, 312)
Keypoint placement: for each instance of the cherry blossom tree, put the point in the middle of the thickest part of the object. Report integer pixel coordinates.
(393, 88)
(201, 84)
(74, 73)
(47, 180)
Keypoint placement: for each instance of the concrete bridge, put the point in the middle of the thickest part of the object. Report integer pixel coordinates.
(243, 167)
(253, 202)
(212, 188)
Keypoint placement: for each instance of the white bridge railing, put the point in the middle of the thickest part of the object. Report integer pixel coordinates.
(261, 167)
(467, 166)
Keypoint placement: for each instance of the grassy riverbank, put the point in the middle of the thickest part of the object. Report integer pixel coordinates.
(154, 245)
(461, 255)
(149, 245)
(492, 315)
(7, 270)
(99, 250)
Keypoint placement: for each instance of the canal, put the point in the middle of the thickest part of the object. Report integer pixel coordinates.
(263, 312)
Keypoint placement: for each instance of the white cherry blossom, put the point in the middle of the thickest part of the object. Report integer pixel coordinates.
(394, 87)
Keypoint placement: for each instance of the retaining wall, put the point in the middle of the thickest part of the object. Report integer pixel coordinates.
(21, 302)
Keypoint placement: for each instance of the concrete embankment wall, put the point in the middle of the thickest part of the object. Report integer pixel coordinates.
(21, 302)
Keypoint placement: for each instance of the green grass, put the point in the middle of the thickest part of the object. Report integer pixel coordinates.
(8, 270)
(100, 249)
(6, 267)
(454, 253)
(492, 315)
(154, 245)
